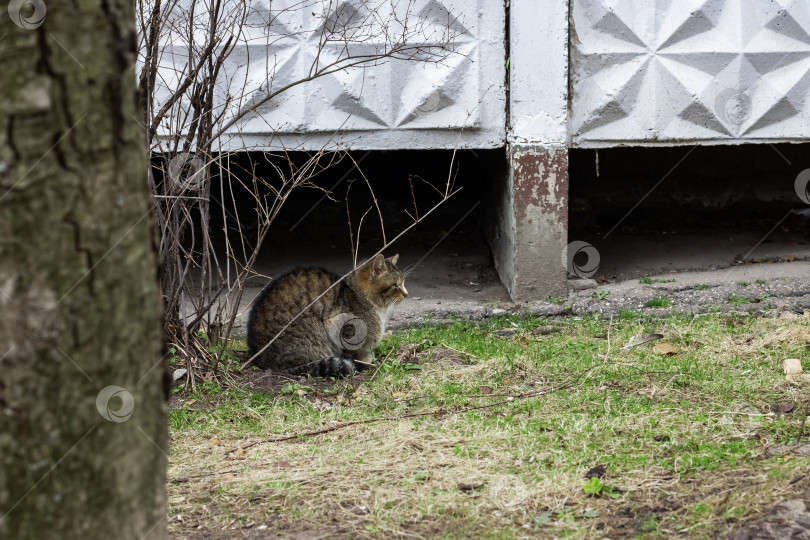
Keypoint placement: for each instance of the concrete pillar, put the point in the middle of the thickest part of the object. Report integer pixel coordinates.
(529, 226)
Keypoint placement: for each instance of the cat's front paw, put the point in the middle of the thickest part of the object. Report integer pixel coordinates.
(362, 365)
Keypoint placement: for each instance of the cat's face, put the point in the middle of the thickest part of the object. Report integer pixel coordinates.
(383, 281)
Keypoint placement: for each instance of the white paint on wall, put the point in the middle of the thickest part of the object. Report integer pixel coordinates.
(400, 104)
(538, 71)
(683, 71)
(643, 72)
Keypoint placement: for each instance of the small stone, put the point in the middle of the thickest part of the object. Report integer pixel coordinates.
(792, 366)
(785, 407)
(545, 330)
(776, 450)
(497, 311)
(788, 519)
(596, 472)
(581, 284)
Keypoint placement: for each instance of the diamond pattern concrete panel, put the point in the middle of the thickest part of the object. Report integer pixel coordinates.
(397, 104)
(685, 71)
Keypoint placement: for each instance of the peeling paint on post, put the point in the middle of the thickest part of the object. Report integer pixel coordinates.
(540, 180)
(530, 225)
(529, 218)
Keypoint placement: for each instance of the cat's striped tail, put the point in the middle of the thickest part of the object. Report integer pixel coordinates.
(331, 366)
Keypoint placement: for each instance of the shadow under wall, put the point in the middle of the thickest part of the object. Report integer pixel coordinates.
(656, 210)
(646, 210)
(446, 254)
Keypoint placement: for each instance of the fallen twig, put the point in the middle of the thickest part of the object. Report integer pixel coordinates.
(446, 346)
(182, 479)
(435, 412)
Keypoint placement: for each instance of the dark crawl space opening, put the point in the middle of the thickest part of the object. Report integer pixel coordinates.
(446, 254)
(656, 210)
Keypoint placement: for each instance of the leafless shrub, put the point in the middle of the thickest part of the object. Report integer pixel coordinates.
(194, 106)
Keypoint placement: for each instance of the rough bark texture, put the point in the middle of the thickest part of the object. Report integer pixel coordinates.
(79, 301)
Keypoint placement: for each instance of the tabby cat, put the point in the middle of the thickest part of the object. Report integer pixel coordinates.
(334, 337)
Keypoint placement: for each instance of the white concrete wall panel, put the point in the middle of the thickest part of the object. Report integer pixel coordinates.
(400, 104)
(538, 72)
(684, 71)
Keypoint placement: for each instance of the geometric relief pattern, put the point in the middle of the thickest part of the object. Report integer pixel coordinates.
(648, 71)
(398, 103)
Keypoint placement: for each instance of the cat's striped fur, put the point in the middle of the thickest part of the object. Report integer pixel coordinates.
(334, 337)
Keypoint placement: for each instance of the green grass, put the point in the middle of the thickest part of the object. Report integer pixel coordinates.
(601, 294)
(650, 281)
(680, 437)
(660, 302)
(702, 287)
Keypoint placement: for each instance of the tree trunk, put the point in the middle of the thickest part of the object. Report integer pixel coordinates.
(79, 300)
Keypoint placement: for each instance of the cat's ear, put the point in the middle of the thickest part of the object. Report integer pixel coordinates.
(394, 259)
(378, 264)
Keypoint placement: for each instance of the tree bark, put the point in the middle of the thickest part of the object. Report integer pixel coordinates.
(79, 298)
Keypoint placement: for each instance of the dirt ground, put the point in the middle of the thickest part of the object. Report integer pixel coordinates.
(458, 280)
(500, 426)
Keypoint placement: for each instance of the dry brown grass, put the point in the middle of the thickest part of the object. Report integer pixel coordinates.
(677, 460)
